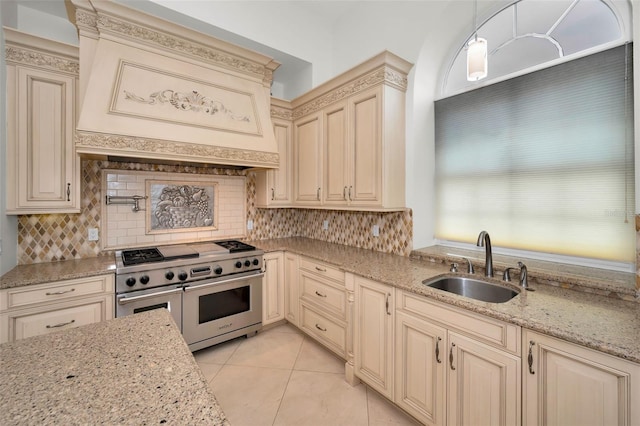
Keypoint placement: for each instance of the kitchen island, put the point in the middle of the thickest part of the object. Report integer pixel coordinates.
(131, 370)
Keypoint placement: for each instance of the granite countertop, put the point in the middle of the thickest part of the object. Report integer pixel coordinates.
(608, 324)
(131, 370)
(38, 273)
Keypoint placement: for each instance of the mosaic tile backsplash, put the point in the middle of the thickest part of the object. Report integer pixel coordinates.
(45, 238)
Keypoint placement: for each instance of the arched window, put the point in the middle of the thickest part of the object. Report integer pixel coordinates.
(533, 34)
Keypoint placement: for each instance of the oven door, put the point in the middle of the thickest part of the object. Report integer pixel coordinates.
(215, 311)
(169, 298)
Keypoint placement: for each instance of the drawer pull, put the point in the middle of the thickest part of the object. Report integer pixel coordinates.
(530, 357)
(320, 269)
(62, 324)
(438, 351)
(386, 303)
(320, 294)
(320, 328)
(451, 356)
(55, 293)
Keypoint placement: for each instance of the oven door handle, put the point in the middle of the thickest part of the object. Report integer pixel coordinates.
(124, 300)
(199, 287)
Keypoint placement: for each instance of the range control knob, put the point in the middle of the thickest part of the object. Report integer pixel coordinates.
(169, 275)
(218, 270)
(130, 282)
(144, 279)
(255, 262)
(182, 276)
(247, 263)
(238, 264)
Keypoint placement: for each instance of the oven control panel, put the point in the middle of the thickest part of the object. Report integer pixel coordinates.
(179, 272)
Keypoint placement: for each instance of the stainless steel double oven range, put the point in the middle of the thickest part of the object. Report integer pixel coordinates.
(212, 289)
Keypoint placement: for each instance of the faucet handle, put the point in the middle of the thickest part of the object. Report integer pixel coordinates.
(470, 269)
(524, 280)
(506, 276)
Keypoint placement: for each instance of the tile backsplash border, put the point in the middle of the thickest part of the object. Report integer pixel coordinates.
(53, 237)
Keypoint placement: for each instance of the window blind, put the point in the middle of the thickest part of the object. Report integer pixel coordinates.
(543, 162)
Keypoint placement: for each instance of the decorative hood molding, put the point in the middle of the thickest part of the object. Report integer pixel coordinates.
(152, 89)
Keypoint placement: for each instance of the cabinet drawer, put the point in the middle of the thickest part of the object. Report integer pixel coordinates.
(330, 333)
(322, 269)
(491, 331)
(324, 294)
(23, 297)
(32, 322)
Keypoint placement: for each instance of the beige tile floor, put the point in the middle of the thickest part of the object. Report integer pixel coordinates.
(282, 377)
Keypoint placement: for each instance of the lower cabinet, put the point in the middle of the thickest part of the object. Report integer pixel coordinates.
(273, 288)
(291, 293)
(567, 384)
(373, 335)
(455, 367)
(44, 308)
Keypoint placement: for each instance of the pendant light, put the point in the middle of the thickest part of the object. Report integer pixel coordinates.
(476, 52)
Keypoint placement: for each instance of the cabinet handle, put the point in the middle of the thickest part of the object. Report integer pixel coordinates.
(273, 194)
(386, 303)
(318, 194)
(62, 324)
(344, 193)
(453, 345)
(68, 191)
(320, 269)
(530, 357)
(350, 193)
(438, 360)
(320, 294)
(54, 293)
(320, 328)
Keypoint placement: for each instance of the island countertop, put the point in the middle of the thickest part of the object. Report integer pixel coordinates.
(131, 370)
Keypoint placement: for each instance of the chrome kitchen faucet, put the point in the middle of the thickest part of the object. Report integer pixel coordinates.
(485, 241)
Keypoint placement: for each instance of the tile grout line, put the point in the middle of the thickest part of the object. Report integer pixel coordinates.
(304, 338)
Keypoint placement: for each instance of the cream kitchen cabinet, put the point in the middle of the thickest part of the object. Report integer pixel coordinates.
(273, 288)
(274, 188)
(349, 139)
(323, 304)
(308, 160)
(453, 360)
(567, 384)
(45, 308)
(291, 295)
(374, 335)
(43, 169)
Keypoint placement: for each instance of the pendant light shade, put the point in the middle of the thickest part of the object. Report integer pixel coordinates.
(476, 59)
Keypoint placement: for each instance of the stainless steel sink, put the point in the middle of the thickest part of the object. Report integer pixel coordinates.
(472, 288)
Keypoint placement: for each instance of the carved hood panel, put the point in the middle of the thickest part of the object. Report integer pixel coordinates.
(151, 89)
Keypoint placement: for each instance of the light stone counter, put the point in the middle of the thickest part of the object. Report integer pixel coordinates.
(603, 323)
(38, 273)
(127, 371)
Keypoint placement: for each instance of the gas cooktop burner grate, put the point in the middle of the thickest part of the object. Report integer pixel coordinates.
(139, 256)
(235, 246)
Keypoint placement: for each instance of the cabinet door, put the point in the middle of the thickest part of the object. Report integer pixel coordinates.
(420, 386)
(566, 384)
(41, 156)
(273, 288)
(308, 160)
(366, 147)
(373, 334)
(484, 384)
(291, 294)
(336, 155)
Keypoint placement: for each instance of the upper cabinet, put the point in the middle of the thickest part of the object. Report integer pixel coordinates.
(274, 186)
(349, 139)
(43, 170)
(348, 147)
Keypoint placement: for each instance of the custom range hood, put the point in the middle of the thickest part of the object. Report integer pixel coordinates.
(154, 90)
